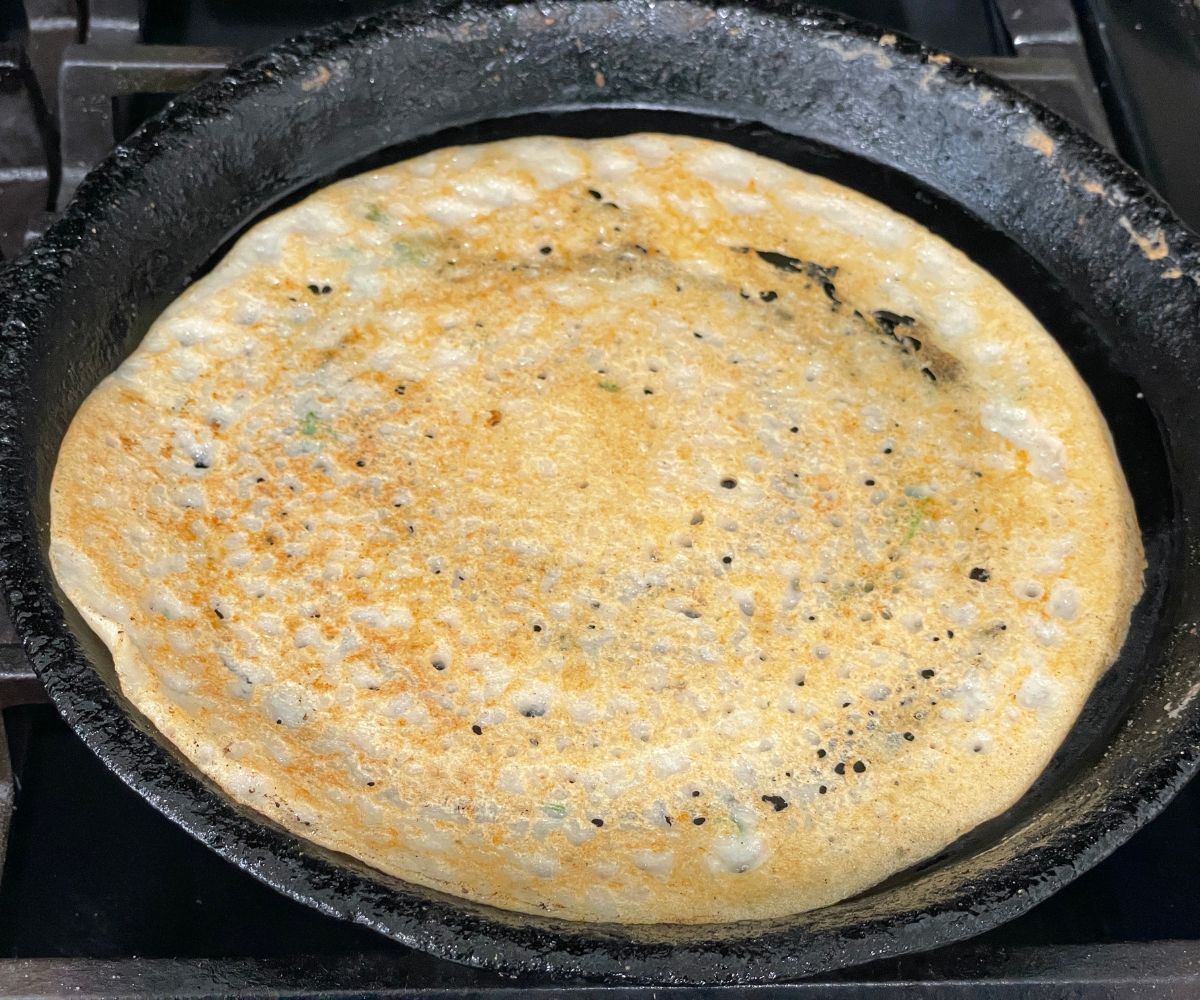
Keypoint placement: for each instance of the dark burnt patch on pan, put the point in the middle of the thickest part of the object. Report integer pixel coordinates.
(935, 364)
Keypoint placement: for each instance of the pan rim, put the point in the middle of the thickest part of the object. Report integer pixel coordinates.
(482, 940)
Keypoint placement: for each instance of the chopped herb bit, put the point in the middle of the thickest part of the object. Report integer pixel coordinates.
(418, 253)
(768, 296)
(915, 517)
(376, 214)
(859, 767)
(927, 674)
(778, 801)
(555, 809)
(909, 737)
(477, 729)
(609, 386)
(597, 822)
(698, 821)
(310, 424)
(595, 194)
(401, 389)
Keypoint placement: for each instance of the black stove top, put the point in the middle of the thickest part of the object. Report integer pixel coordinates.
(99, 895)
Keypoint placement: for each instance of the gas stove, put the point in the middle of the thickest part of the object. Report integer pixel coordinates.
(101, 896)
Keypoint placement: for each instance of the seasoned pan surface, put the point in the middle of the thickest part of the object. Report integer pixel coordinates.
(1101, 262)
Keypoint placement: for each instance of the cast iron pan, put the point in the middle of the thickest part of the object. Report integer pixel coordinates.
(1102, 262)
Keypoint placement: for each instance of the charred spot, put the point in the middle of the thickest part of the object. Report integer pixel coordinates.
(545, 250)
(217, 612)
(477, 729)
(778, 802)
(888, 322)
(935, 364)
(768, 296)
(596, 820)
(320, 289)
(909, 736)
(859, 767)
(699, 821)
(793, 265)
(817, 273)
(928, 674)
(595, 194)
(822, 752)
(839, 767)
(980, 575)
(728, 483)
(400, 390)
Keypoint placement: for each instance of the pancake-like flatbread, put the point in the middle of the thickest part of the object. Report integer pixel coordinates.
(632, 530)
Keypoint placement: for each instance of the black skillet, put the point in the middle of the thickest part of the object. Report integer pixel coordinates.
(1079, 238)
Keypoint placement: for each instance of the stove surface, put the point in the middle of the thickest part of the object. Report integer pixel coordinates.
(100, 895)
